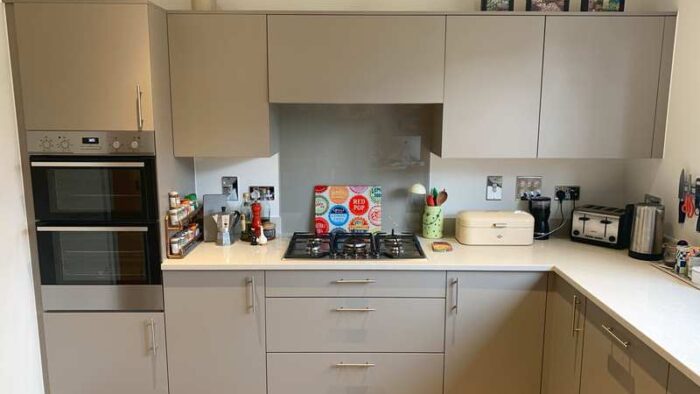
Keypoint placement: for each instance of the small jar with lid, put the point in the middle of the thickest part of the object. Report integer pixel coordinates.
(174, 215)
(176, 245)
(174, 199)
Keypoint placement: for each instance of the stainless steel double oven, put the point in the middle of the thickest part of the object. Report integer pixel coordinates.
(97, 228)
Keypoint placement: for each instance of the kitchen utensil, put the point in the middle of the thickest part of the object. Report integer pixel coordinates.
(681, 197)
(430, 201)
(441, 198)
(223, 222)
(212, 204)
(688, 199)
(647, 232)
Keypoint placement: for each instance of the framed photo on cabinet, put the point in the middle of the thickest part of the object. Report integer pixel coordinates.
(497, 5)
(603, 5)
(548, 5)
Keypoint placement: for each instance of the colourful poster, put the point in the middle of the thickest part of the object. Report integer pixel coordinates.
(348, 208)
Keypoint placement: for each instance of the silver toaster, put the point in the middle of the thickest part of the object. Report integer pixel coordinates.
(603, 226)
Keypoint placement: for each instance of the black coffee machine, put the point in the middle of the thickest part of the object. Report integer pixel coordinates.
(541, 208)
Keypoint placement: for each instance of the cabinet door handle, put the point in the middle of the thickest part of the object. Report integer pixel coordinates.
(367, 309)
(251, 293)
(354, 281)
(139, 107)
(154, 341)
(574, 309)
(354, 365)
(610, 332)
(455, 294)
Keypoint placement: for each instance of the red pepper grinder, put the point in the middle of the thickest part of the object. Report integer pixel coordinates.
(256, 224)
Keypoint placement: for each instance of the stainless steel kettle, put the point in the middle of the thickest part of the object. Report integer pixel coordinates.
(647, 232)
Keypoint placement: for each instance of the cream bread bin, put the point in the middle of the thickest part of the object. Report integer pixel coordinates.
(495, 228)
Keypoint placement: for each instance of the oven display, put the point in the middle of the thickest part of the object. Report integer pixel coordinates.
(91, 141)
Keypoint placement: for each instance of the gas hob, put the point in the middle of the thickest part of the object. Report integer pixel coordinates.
(354, 246)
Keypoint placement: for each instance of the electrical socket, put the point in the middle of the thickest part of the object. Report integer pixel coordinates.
(527, 187)
(573, 193)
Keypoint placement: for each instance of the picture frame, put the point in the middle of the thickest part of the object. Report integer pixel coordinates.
(603, 5)
(497, 5)
(548, 5)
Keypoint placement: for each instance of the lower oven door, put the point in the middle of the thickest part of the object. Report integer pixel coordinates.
(100, 267)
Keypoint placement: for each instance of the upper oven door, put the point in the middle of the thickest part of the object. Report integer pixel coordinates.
(102, 189)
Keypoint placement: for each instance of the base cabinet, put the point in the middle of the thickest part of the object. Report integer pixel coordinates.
(346, 373)
(615, 362)
(216, 332)
(107, 353)
(680, 384)
(494, 332)
(563, 343)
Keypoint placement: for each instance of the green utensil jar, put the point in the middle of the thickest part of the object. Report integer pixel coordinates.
(432, 222)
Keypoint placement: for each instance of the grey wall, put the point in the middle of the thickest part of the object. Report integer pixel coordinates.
(385, 145)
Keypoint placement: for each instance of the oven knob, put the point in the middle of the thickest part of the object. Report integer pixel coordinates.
(577, 233)
(134, 144)
(612, 239)
(65, 144)
(116, 144)
(46, 144)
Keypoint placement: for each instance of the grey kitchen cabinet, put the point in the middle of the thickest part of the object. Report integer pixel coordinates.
(216, 331)
(107, 353)
(600, 86)
(680, 384)
(494, 332)
(349, 373)
(356, 325)
(366, 59)
(616, 362)
(218, 66)
(493, 73)
(662, 101)
(83, 66)
(563, 342)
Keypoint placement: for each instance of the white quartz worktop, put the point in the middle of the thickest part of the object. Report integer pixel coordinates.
(660, 310)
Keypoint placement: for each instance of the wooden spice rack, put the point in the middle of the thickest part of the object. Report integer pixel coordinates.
(170, 229)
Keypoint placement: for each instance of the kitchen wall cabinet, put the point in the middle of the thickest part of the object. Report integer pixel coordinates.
(108, 353)
(216, 332)
(563, 342)
(83, 66)
(494, 332)
(680, 384)
(368, 59)
(600, 86)
(615, 362)
(218, 65)
(493, 73)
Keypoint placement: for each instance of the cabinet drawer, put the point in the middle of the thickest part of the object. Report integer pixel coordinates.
(616, 362)
(310, 373)
(355, 325)
(426, 284)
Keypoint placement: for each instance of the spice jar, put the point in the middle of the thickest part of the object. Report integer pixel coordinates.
(174, 199)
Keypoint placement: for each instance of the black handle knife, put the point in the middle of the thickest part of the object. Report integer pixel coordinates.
(681, 197)
(697, 202)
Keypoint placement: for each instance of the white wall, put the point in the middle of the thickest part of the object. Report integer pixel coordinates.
(250, 172)
(660, 177)
(20, 363)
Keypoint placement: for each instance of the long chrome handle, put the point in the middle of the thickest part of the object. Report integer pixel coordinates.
(88, 164)
(91, 229)
(154, 343)
(354, 365)
(251, 293)
(455, 294)
(138, 104)
(367, 309)
(574, 309)
(610, 332)
(354, 281)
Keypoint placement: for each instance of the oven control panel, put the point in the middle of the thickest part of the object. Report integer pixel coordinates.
(91, 142)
